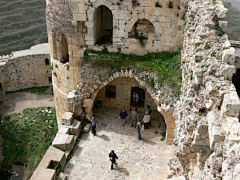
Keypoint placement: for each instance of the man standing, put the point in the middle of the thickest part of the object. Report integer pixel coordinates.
(134, 118)
(139, 125)
(94, 125)
(123, 114)
(135, 99)
(112, 158)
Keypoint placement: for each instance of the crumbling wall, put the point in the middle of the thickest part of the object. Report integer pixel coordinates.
(207, 126)
(25, 69)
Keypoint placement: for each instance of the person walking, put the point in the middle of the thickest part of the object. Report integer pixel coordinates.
(123, 114)
(94, 125)
(135, 99)
(138, 126)
(112, 158)
(134, 118)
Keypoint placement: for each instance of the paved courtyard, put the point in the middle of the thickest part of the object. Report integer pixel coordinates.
(138, 159)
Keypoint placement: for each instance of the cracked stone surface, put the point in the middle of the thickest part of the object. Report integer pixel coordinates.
(138, 159)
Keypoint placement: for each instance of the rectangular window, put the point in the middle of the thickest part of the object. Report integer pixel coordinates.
(50, 79)
(110, 91)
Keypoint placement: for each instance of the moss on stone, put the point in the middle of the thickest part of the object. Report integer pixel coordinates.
(167, 65)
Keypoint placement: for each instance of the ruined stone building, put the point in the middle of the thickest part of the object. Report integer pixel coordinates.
(202, 124)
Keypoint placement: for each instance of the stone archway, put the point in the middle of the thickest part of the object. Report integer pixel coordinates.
(60, 46)
(90, 93)
(103, 24)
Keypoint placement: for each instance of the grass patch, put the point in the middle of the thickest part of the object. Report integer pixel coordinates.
(27, 137)
(167, 65)
(36, 90)
(163, 136)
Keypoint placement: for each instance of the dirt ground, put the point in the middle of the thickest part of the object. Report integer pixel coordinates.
(17, 102)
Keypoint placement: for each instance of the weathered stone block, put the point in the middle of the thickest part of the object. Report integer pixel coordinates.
(70, 142)
(230, 105)
(88, 103)
(229, 56)
(76, 127)
(42, 172)
(67, 118)
(87, 128)
(64, 130)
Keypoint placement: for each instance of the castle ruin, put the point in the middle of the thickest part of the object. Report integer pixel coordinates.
(202, 125)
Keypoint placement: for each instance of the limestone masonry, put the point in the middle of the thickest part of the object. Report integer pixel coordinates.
(202, 125)
(25, 69)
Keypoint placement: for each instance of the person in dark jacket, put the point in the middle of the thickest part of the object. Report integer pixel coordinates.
(123, 114)
(112, 158)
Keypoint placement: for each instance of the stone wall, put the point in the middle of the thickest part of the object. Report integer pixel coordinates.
(166, 20)
(206, 136)
(25, 69)
(74, 26)
(123, 94)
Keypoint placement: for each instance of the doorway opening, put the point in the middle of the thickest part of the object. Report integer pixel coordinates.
(141, 96)
(236, 81)
(103, 23)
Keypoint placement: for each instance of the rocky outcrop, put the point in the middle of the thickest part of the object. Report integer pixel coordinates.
(206, 116)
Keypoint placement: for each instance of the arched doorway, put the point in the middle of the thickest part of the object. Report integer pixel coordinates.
(60, 48)
(141, 30)
(103, 24)
(236, 81)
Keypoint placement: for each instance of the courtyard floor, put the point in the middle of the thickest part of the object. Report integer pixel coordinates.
(137, 159)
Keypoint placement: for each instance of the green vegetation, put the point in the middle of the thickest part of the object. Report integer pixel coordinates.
(233, 22)
(157, 4)
(167, 65)
(27, 137)
(214, 2)
(207, 46)
(68, 67)
(213, 54)
(170, 4)
(163, 136)
(36, 90)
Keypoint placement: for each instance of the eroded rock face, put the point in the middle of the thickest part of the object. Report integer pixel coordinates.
(206, 137)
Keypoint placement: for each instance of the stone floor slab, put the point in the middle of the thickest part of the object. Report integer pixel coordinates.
(138, 159)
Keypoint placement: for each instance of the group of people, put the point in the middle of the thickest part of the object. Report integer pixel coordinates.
(135, 122)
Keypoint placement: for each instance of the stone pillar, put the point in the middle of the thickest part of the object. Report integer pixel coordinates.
(170, 122)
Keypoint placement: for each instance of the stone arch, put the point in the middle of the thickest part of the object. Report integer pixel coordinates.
(60, 47)
(132, 21)
(103, 25)
(165, 110)
(141, 28)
